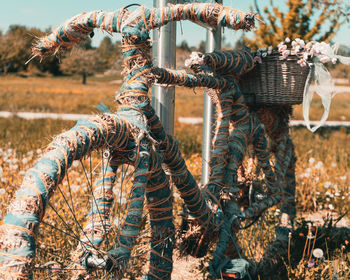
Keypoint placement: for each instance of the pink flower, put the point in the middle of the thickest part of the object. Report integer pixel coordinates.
(55, 267)
(301, 62)
(285, 53)
(325, 59)
(257, 59)
(282, 48)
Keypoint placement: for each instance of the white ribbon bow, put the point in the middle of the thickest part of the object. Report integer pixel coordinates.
(324, 84)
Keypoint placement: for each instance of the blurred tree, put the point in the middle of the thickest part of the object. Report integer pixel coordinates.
(184, 46)
(306, 19)
(107, 53)
(15, 50)
(201, 47)
(83, 62)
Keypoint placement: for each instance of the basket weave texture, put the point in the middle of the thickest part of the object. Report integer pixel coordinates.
(276, 81)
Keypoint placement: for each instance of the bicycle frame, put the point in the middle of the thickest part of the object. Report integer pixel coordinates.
(136, 129)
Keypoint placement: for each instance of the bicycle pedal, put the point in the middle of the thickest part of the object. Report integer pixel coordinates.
(235, 269)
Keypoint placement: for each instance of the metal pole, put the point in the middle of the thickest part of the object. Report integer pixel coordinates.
(213, 43)
(164, 55)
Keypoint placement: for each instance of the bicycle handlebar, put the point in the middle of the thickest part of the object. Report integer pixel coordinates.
(78, 28)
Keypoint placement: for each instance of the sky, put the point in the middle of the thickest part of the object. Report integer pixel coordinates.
(47, 14)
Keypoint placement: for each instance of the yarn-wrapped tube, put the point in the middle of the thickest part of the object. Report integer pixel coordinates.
(18, 233)
(80, 27)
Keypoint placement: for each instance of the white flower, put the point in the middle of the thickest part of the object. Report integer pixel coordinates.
(334, 60)
(38, 151)
(258, 59)
(317, 253)
(319, 165)
(334, 164)
(282, 48)
(24, 160)
(311, 161)
(327, 184)
(285, 53)
(287, 40)
(331, 207)
(305, 56)
(301, 62)
(325, 59)
(269, 50)
(2, 191)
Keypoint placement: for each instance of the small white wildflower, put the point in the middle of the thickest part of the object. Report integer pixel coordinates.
(317, 253)
(319, 165)
(342, 177)
(334, 164)
(311, 161)
(327, 184)
(24, 160)
(330, 207)
(2, 191)
(334, 60)
(38, 151)
(287, 40)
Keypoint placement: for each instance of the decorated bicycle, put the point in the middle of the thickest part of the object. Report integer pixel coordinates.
(134, 135)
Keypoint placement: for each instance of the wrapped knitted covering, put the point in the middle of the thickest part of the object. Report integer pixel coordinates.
(135, 135)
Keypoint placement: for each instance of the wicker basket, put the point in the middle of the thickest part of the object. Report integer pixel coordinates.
(276, 81)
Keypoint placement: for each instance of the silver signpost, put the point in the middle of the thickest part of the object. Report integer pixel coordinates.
(164, 55)
(213, 43)
(163, 98)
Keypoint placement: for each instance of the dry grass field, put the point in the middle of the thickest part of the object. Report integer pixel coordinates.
(323, 175)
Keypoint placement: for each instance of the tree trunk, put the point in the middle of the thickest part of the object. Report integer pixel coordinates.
(83, 78)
